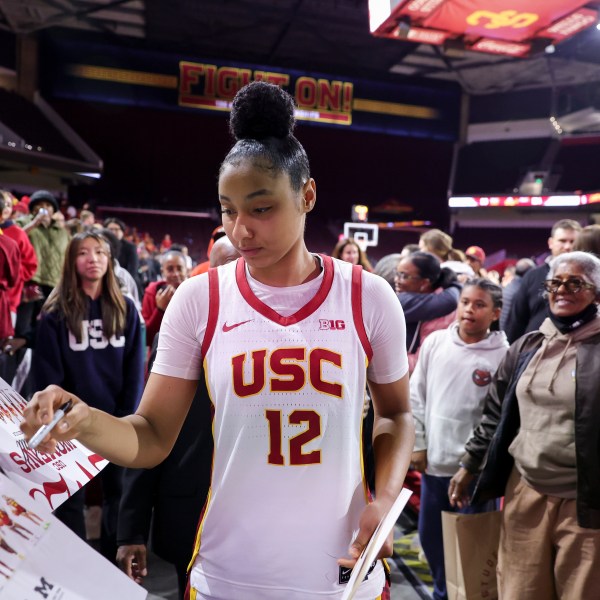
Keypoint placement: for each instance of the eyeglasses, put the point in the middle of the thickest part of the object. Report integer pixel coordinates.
(573, 285)
(400, 275)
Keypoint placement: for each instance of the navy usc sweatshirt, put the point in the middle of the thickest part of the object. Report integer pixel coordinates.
(105, 373)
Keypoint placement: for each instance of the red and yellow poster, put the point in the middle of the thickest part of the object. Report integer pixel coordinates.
(39, 556)
(47, 478)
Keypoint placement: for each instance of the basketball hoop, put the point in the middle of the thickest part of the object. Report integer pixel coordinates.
(364, 234)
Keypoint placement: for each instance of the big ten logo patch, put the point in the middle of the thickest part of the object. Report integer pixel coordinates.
(92, 336)
(331, 325)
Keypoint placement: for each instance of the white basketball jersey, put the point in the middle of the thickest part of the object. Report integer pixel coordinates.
(287, 484)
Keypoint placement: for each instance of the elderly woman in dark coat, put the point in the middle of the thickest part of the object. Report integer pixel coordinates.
(539, 444)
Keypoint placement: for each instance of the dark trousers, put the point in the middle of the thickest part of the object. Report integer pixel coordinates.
(434, 499)
(27, 314)
(181, 570)
(71, 511)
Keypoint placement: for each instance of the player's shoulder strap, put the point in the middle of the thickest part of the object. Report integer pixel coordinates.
(357, 310)
(213, 309)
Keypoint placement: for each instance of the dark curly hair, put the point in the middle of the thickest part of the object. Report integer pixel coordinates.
(262, 121)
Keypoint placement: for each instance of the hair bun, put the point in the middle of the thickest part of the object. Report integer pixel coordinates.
(261, 110)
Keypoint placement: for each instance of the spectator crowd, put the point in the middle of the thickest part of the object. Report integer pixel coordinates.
(503, 383)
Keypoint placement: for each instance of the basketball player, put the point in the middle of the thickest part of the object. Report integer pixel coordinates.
(288, 340)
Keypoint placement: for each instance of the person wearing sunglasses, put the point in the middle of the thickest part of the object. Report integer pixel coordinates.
(540, 437)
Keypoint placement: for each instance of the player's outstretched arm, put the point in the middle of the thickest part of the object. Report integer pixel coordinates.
(142, 440)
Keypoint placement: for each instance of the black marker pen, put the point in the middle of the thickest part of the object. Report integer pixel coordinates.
(44, 430)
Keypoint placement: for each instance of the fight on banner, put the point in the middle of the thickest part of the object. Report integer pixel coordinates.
(91, 72)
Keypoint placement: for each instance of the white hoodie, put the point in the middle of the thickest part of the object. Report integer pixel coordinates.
(447, 390)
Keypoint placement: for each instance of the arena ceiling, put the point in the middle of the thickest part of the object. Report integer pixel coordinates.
(330, 36)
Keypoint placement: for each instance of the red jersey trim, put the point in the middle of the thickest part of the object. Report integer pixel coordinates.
(357, 311)
(266, 311)
(213, 310)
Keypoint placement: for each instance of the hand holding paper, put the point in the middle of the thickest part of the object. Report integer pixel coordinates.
(370, 519)
(376, 546)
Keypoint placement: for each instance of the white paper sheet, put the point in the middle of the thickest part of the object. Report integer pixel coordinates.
(42, 558)
(371, 550)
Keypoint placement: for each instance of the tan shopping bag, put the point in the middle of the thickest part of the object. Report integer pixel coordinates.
(471, 554)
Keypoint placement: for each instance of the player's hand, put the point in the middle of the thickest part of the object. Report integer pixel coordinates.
(458, 490)
(40, 410)
(163, 297)
(131, 560)
(369, 520)
(418, 461)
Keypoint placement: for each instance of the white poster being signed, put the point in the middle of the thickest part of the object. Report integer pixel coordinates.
(41, 558)
(47, 478)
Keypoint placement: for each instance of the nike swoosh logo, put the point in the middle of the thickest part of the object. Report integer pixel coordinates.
(227, 328)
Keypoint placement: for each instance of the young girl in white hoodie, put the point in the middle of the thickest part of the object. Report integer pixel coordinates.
(447, 391)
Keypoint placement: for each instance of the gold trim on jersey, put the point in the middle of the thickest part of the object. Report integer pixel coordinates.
(197, 541)
(362, 456)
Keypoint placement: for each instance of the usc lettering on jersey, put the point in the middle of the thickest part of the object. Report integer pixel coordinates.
(287, 487)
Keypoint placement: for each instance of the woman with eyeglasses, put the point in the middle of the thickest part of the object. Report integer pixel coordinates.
(429, 295)
(540, 438)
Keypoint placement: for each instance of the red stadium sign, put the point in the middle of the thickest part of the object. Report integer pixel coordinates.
(493, 26)
(427, 36)
(421, 8)
(571, 24)
(490, 46)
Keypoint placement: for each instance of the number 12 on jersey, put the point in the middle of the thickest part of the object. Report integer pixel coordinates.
(294, 449)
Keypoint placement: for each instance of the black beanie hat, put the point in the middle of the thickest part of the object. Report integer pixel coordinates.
(42, 195)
